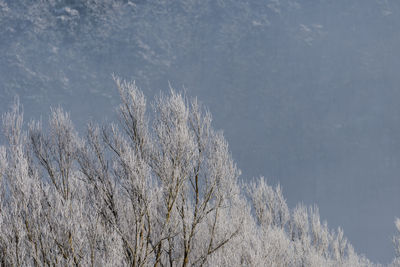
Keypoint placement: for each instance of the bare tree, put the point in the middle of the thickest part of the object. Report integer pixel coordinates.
(159, 188)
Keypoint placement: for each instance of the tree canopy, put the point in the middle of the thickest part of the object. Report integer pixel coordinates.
(158, 188)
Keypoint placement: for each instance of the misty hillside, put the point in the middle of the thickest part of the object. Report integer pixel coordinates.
(305, 91)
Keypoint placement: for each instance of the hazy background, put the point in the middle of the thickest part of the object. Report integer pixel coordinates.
(307, 92)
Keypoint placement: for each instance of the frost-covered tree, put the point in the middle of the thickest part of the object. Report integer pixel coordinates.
(173, 180)
(158, 188)
(396, 244)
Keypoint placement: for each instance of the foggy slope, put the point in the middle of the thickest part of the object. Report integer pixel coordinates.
(305, 91)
